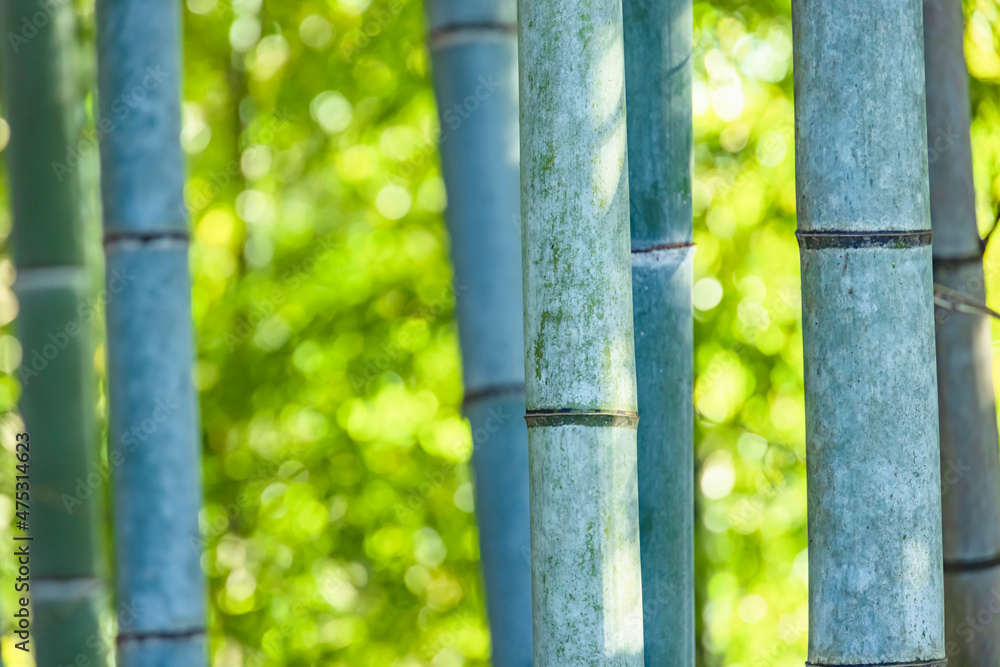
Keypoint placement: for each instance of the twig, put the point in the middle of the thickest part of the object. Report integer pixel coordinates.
(955, 301)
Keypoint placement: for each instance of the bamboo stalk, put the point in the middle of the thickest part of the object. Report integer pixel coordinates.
(970, 457)
(875, 580)
(661, 141)
(56, 375)
(474, 50)
(580, 359)
(154, 416)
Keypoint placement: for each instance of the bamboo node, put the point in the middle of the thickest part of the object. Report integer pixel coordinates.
(898, 240)
(599, 418)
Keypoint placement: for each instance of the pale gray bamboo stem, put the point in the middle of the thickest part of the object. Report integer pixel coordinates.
(474, 50)
(970, 456)
(875, 579)
(154, 432)
(661, 138)
(580, 359)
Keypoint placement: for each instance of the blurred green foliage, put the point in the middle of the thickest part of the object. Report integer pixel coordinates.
(339, 526)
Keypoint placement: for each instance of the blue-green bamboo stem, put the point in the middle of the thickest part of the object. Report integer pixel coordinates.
(660, 148)
(580, 350)
(474, 50)
(154, 417)
(875, 582)
(57, 379)
(970, 456)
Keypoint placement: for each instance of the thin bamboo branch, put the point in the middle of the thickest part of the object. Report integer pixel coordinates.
(957, 302)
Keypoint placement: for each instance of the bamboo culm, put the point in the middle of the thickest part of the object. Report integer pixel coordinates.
(970, 457)
(579, 346)
(154, 430)
(875, 579)
(658, 77)
(474, 51)
(58, 396)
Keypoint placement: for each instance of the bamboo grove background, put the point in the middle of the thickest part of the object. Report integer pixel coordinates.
(339, 525)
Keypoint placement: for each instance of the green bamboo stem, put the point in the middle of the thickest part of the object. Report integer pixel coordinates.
(57, 380)
(875, 580)
(970, 457)
(579, 347)
(661, 140)
(154, 429)
(474, 50)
